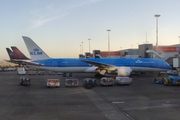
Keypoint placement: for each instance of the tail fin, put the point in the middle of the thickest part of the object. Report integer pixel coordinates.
(10, 53)
(35, 51)
(18, 53)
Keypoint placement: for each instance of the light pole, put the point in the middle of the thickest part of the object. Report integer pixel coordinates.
(157, 15)
(89, 45)
(108, 43)
(179, 39)
(82, 47)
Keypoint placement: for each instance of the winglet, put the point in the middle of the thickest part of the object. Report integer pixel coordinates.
(35, 51)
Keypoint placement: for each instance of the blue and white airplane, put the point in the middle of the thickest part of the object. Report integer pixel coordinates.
(119, 66)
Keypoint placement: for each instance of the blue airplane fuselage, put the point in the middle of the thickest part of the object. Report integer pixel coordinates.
(76, 65)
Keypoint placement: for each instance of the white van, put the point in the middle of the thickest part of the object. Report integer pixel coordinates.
(21, 71)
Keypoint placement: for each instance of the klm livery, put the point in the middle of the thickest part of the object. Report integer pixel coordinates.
(36, 52)
(118, 66)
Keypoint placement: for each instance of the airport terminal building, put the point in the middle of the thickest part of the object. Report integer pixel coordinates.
(163, 52)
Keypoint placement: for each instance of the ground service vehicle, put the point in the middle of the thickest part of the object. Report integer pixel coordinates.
(31, 72)
(72, 82)
(89, 83)
(159, 80)
(41, 73)
(25, 81)
(51, 73)
(105, 81)
(53, 83)
(21, 71)
(123, 80)
(170, 80)
(172, 72)
(67, 74)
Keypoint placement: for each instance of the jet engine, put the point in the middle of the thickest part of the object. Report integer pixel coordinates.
(124, 71)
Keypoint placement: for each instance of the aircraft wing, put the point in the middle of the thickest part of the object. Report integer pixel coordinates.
(98, 64)
(25, 62)
(31, 63)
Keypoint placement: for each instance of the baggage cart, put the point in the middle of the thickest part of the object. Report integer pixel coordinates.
(32, 72)
(123, 80)
(105, 81)
(41, 73)
(72, 82)
(25, 81)
(51, 73)
(53, 83)
(89, 83)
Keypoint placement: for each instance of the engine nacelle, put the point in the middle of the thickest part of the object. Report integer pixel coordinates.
(124, 71)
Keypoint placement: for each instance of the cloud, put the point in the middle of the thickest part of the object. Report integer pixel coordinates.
(53, 12)
(41, 21)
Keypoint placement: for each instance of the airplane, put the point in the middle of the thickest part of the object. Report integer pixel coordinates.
(16, 56)
(10, 53)
(119, 66)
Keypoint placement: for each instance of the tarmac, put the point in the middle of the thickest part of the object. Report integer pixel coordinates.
(141, 100)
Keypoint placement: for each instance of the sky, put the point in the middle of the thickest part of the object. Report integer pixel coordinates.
(60, 26)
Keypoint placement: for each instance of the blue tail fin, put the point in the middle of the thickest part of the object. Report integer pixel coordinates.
(10, 53)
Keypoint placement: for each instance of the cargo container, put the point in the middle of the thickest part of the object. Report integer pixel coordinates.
(123, 80)
(25, 81)
(41, 72)
(89, 83)
(72, 82)
(53, 83)
(105, 81)
(51, 73)
(31, 72)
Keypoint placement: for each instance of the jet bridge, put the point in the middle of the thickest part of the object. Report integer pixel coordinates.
(155, 53)
(176, 64)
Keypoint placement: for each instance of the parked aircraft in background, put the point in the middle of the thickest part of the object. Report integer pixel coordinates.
(16, 56)
(119, 66)
(10, 53)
